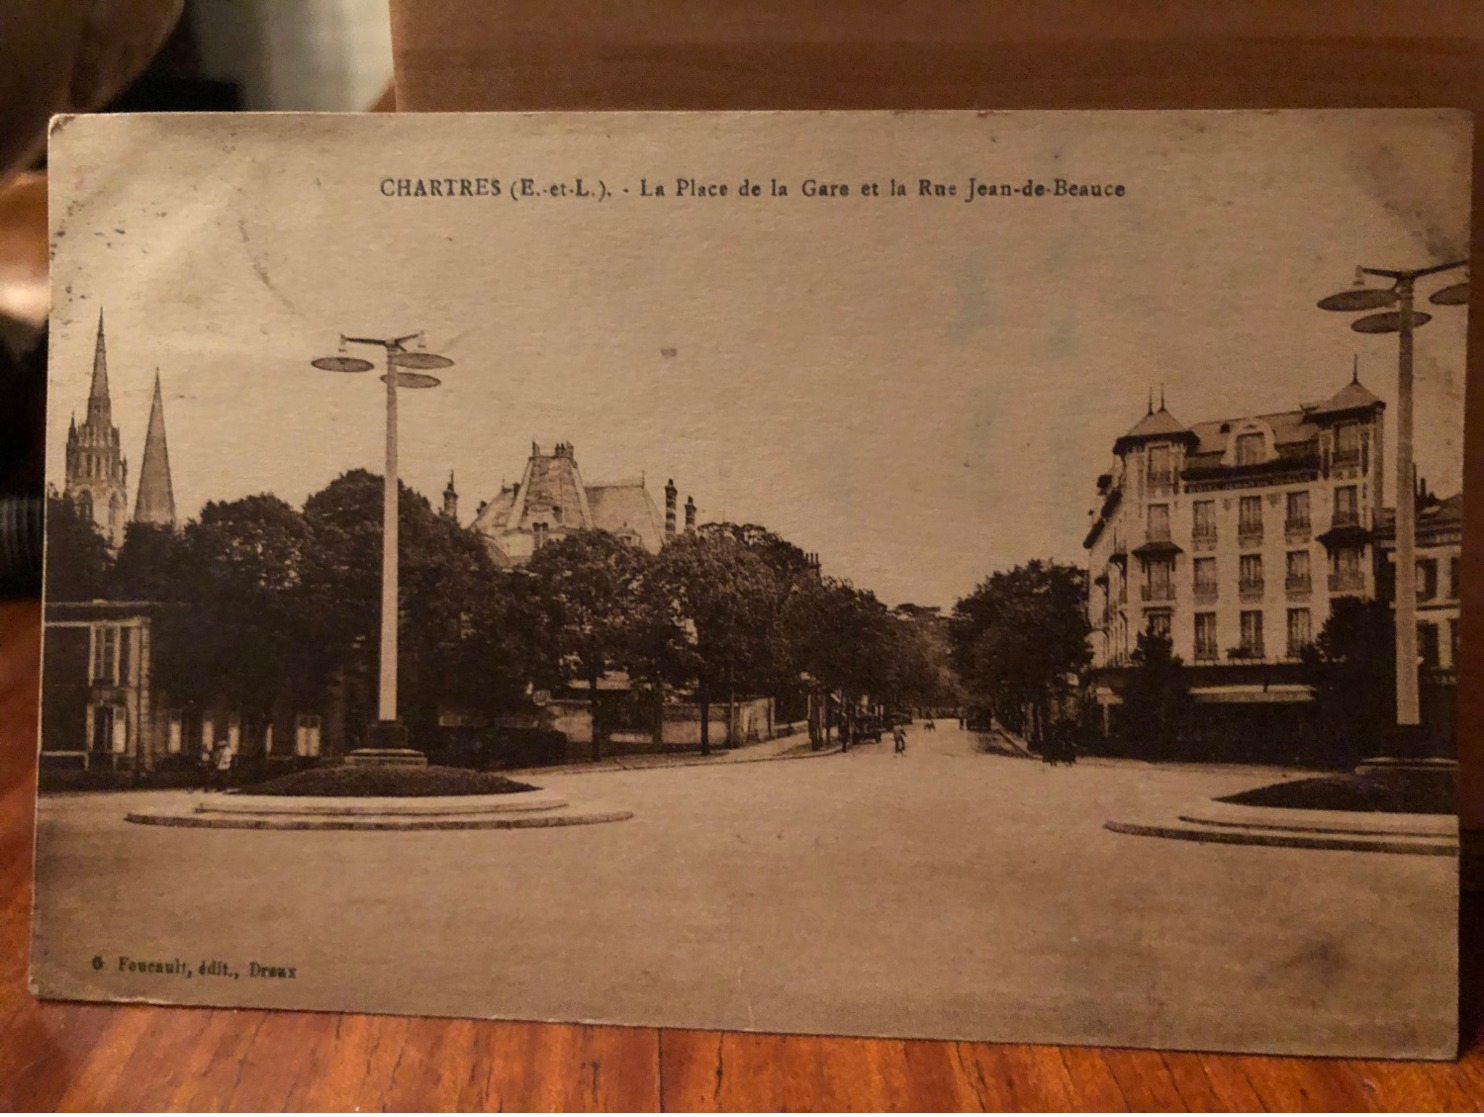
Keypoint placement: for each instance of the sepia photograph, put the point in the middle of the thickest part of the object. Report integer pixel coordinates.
(986, 576)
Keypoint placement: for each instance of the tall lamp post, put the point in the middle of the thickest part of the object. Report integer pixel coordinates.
(1401, 321)
(404, 369)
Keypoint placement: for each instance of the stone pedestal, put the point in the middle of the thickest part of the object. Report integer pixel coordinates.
(386, 746)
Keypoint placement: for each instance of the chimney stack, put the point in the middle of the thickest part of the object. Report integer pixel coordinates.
(670, 494)
(451, 500)
(690, 513)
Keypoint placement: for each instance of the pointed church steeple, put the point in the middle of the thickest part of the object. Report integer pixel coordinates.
(97, 475)
(99, 407)
(155, 502)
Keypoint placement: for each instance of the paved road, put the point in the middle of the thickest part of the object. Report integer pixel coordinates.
(941, 893)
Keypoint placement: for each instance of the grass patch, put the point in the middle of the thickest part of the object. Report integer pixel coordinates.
(390, 782)
(1353, 793)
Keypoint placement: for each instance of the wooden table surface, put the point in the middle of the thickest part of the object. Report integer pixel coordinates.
(74, 1056)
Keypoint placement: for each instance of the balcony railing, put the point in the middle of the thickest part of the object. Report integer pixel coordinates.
(1249, 535)
(1346, 457)
(1159, 593)
(1157, 535)
(1296, 530)
(1346, 518)
(1205, 593)
(1203, 539)
(1298, 584)
(1205, 652)
(1250, 589)
(1347, 581)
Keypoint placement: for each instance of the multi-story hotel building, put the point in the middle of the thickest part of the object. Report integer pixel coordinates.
(1231, 537)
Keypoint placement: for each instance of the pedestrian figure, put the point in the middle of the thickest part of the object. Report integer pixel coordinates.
(221, 765)
(899, 740)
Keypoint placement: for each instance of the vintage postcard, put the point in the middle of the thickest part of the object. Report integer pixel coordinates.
(958, 575)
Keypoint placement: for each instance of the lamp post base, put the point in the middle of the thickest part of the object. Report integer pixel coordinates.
(386, 746)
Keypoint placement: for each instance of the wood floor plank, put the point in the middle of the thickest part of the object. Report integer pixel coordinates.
(1426, 1087)
(1231, 1083)
(1096, 1086)
(1197, 1092)
(43, 1049)
(1145, 1080)
(1307, 1084)
(728, 1071)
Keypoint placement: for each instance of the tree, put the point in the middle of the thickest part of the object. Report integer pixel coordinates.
(148, 566)
(1156, 698)
(1352, 667)
(77, 559)
(469, 634)
(729, 599)
(845, 640)
(1017, 638)
(239, 630)
(787, 561)
(923, 674)
(590, 585)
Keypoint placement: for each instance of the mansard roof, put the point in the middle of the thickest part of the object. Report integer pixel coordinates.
(1354, 396)
(1155, 425)
(624, 507)
(1434, 518)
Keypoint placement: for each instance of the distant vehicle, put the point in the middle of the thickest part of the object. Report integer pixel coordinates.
(867, 729)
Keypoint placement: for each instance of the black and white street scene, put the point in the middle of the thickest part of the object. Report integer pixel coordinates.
(985, 576)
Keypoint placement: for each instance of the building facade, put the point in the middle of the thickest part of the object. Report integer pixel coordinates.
(105, 710)
(552, 500)
(1439, 551)
(1231, 538)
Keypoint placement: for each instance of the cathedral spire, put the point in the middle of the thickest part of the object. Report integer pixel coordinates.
(155, 502)
(99, 407)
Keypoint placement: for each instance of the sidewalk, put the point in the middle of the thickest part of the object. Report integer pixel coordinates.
(795, 746)
(1001, 741)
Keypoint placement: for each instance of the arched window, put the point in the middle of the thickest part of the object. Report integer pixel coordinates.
(85, 505)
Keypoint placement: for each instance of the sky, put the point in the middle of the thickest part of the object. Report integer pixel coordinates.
(922, 389)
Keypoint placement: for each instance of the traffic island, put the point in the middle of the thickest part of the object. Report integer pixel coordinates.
(516, 811)
(393, 781)
(1357, 831)
(1368, 811)
(382, 797)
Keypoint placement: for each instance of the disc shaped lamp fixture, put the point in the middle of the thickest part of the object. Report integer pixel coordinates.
(1387, 323)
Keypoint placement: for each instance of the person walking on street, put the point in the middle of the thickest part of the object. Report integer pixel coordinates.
(899, 740)
(221, 765)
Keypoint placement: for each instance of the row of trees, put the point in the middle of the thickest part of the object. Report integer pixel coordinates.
(1018, 642)
(276, 603)
(1020, 646)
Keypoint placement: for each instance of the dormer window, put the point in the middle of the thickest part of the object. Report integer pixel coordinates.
(1347, 444)
(1160, 472)
(538, 531)
(1249, 448)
